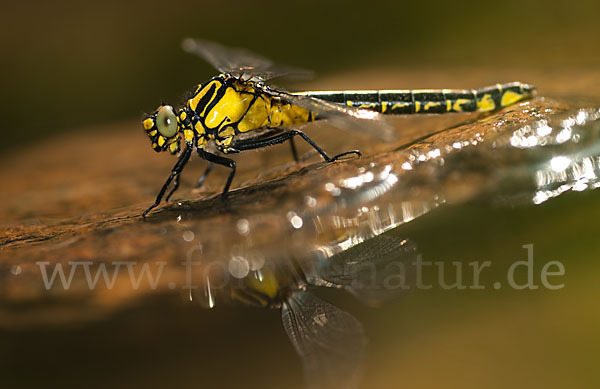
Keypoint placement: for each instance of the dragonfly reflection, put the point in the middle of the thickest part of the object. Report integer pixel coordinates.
(330, 342)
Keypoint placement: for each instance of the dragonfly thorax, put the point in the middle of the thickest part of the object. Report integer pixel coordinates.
(227, 106)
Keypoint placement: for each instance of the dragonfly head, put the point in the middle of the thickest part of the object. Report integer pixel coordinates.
(162, 127)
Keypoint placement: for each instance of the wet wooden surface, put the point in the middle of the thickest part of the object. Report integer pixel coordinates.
(85, 204)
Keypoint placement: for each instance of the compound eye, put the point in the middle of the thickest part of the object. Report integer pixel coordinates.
(166, 121)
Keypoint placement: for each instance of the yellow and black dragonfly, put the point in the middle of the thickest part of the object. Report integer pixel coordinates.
(237, 110)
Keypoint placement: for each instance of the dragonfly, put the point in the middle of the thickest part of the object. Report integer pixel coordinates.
(331, 342)
(237, 110)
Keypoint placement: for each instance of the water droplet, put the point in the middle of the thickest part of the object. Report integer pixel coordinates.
(560, 163)
(310, 201)
(188, 236)
(256, 262)
(295, 220)
(331, 188)
(238, 267)
(243, 226)
(16, 270)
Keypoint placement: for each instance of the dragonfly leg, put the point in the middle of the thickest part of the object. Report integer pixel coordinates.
(198, 184)
(175, 187)
(183, 159)
(294, 151)
(277, 139)
(204, 175)
(230, 163)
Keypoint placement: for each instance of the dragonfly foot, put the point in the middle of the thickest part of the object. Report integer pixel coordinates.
(337, 157)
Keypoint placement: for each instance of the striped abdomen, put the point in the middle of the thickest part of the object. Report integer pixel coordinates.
(429, 101)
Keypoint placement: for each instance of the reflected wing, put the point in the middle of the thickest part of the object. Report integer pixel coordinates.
(373, 271)
(330, 342)
(240, 62)
(342, 116)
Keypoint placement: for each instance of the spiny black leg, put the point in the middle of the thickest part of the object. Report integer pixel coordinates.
(230, 163)
(204, 175)
(185, 156)
(175, 187)
(198, 184)
(255, 144)
(320, 150)
(294, 151)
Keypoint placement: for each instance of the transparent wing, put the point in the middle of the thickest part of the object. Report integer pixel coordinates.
(243, 63)
(373, 271)
(240, 62)
(342, 116)
(330, 342)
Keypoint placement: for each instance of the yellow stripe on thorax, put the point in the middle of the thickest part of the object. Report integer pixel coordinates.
(229, 109)
(200, 93)
(257, 115)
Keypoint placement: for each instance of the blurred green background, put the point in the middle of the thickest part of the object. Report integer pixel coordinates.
(67, 64)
